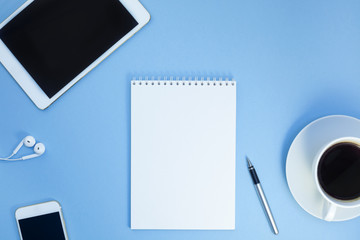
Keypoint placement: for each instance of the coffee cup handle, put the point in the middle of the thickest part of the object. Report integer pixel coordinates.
(329, 211)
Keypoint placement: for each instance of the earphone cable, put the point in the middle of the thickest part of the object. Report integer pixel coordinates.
(11, 159)
(10, 156)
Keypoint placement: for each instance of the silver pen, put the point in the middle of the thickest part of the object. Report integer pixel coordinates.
(262, 197)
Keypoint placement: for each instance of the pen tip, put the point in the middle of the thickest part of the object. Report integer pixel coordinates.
(248, 161)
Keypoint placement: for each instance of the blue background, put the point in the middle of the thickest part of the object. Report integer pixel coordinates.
(294, 61)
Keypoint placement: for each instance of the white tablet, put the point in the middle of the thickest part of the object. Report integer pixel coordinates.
(49, 45)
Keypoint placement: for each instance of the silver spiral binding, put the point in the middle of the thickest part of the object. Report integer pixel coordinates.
(182, 81)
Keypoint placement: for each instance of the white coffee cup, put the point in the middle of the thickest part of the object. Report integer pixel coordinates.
(330, 204)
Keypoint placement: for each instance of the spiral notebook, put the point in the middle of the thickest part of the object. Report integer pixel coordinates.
(183, 153)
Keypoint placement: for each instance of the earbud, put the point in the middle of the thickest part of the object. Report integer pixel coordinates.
(28, 141)
(39, 149)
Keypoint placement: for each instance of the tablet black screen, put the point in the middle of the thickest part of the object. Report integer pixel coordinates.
(55, 40)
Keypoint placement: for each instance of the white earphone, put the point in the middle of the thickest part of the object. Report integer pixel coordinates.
(28, 141)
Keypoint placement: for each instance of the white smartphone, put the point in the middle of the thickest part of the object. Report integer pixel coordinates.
(42, 221)
(49, 45)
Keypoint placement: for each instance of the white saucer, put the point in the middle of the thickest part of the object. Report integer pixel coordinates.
(300, 158)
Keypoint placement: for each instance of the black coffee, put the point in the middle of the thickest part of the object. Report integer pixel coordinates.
(339, 171)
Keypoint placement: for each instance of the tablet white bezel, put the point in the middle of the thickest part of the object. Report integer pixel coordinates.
(38, 210)
(28, 84)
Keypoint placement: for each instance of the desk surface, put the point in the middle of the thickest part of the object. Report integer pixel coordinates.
(294, 62)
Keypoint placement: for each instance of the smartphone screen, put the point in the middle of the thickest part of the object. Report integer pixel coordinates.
(43, 227)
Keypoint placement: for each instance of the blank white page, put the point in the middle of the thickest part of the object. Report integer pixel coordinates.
(183, 154)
